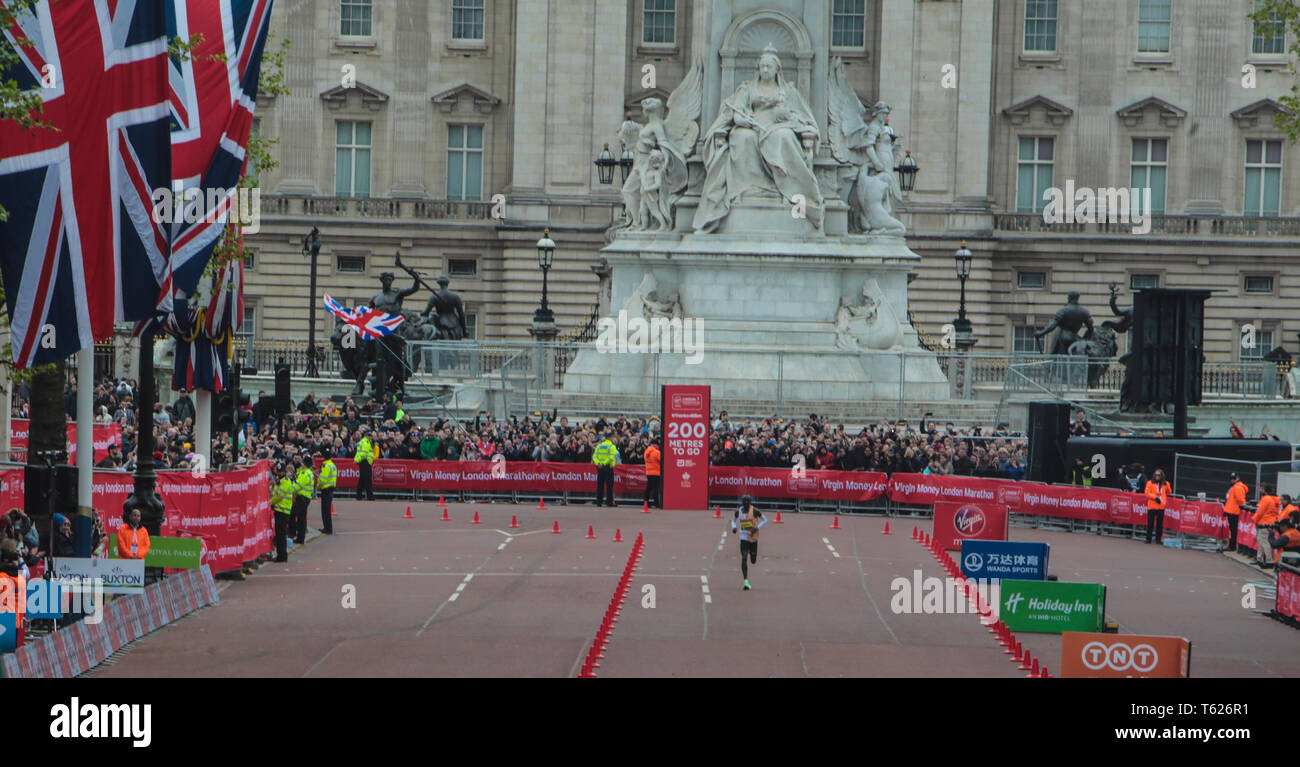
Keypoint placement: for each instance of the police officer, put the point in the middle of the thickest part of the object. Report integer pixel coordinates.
(304, 488)
(605, 456)
(282, 495)
(365, 458)
(329, 477)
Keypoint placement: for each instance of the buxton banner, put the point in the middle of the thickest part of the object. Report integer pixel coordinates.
(685, 414)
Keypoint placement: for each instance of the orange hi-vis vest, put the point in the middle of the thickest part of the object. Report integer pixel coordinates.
(132, 544)
(1157, 495)
(1266, 514)
(1236, 498)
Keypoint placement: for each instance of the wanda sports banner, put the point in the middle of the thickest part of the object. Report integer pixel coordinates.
(105, 434)
(955, 522)
(229, 511)
(686, 447)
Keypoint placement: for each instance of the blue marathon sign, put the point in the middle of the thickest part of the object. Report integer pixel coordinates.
(1018, 560)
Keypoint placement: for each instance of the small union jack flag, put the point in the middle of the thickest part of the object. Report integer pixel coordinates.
(370, 323)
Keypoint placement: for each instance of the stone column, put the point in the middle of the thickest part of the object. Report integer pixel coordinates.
(300, 111)
(1217, 38)
(532, 62)
(410, 100)
(974, 94)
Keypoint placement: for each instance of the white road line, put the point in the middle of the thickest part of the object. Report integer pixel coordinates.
(704, 579)
(708, 600)
(461, 587)
(469, 577)
(705, 589)
(826, 541)
(453, 597)
(836, 553)
(502, 546)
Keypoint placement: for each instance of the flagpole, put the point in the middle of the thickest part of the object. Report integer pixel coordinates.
(85, 448)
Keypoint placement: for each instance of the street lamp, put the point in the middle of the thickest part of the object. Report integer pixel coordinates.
(311, 248)
(605, 162)
(544, 317)
(962, 324)
(625, 162)
(907, 173)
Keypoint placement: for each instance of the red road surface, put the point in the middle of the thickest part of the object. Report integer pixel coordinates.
(454, 599)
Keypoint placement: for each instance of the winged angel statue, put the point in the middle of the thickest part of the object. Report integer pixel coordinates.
(869, 186)
(661, 148)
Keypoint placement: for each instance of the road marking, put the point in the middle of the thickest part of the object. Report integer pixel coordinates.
(704, 579)
(461, 587)
(705, 589)
(453, 597)
(469, 577)
(708, 600)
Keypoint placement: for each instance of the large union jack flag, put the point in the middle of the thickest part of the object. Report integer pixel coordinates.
(369, 323)
(212, 100)
(81, 249)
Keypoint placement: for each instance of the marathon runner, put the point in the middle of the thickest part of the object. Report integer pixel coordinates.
(747, 521)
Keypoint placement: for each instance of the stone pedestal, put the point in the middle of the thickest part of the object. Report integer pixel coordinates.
(762, 310)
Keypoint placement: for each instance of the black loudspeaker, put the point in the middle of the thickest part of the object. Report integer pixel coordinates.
(1049, 428)
(1166, 349)
(282, 404)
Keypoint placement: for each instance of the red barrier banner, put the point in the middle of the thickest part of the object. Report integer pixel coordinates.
(550, 478)
(686, 447)
(105, 434)
(1246, 535)
(765, 482)
(1288, 592)
(958, 521)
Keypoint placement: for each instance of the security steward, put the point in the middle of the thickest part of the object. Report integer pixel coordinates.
(282, 495)
(654, 476)
(1157, 492)
(304, 489)
(1232, 507)
(1265, 518)
(329, 478)
(365, 458)
(605, 456)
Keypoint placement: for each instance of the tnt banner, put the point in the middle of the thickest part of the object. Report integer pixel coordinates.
(686, 447)
(104, 435)
(1088, 655)
(955, 522)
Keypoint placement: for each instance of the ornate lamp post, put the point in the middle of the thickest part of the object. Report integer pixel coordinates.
(605, 163)
(311, 249)
(625, 162)
(907, 171)
(543, 329)
(962, 324)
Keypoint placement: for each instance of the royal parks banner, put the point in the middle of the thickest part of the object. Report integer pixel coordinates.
(1051, 607)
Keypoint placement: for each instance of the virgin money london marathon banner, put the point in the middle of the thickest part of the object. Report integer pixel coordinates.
(104, 434)
(686, 447)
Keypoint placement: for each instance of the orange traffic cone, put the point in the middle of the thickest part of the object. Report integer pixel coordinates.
(556, 529)
(407, 515)
(541, 504)
(645, 507)
(476, 519)
(618, 535)
(445, 516)
(717, 511)
(886, 530)
(779, 521)
(836, 524)
(591, 532)
(514, 522)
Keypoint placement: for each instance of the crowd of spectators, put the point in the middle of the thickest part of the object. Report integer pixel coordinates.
(320, 425)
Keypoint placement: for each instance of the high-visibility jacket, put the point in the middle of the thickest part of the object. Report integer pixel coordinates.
(605, 454)
(366, 452)
(653, 461)
(1266, 514)
(1290, 509)
(13, 595)
(329, 475)
(282, 495)
(399, 416)
(305, 484)
(1236, 497)
(1158, 495)
(132, 543)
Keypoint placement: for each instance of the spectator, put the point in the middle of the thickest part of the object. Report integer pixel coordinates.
(1081, 426)
(132, 538)
(62, 542)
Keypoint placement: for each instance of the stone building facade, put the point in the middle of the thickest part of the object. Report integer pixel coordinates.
(408, 118)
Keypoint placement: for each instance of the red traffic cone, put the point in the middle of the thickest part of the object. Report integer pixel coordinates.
(408, 515)
(333, 513)
(886, 530)
(779, 521)
(618, 535)
(556, 528)
(476, 519)
(1019, 653)
(916, 534)
(445, 516)
(1033, 670)
(441, 501)
(514, 522)
(591, 531)
(1027, 662)
(1043, 674)
(717, 511)
(645, 507)
(541, 504)
(835, 525)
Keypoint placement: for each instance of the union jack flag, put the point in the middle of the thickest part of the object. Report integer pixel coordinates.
(81, 249)
(370, 323)
(213, 95)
